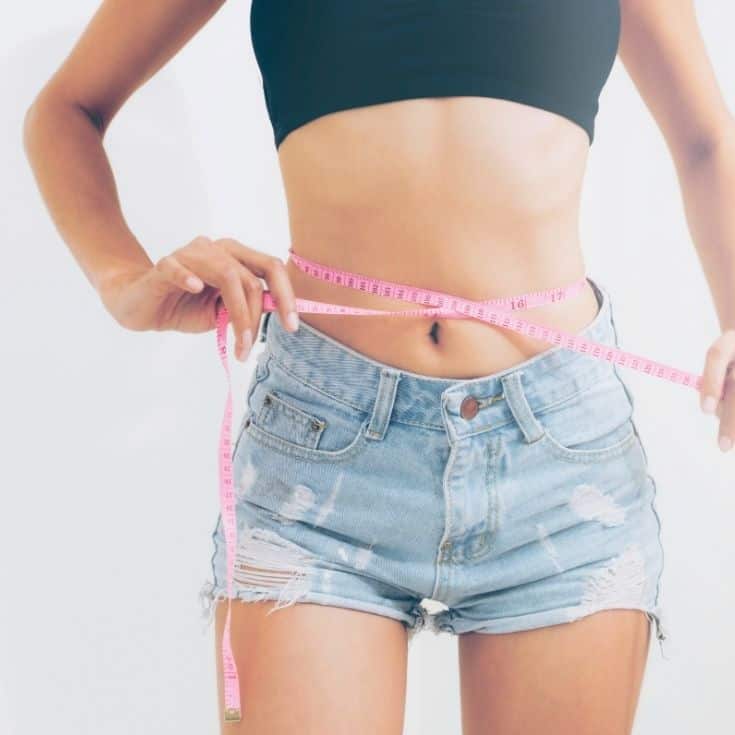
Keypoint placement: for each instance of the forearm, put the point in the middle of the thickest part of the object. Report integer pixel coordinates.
(708, 190)
(76, 182)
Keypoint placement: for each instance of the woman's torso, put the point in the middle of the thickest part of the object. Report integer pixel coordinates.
(472, 195)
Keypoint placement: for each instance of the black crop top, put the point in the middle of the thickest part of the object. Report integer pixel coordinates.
(320, 56)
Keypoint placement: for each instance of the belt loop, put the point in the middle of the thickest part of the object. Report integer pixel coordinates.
(516, 399)
(383, 406)
(263, 327)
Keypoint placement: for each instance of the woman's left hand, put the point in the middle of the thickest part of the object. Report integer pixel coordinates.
(717, 392)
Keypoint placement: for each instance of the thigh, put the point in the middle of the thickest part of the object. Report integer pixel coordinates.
(582, 677)
(311, 669)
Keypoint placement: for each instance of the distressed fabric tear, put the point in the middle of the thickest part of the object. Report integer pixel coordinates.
(621, 583)
(267, 567)
(590, 503)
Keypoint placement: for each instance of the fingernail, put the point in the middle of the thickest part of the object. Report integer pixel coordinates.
(247, 343)
(709, 404)
(725, 443)
(193, 282)
(292, 320)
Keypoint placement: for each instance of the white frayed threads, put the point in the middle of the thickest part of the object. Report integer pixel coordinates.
(329, 503)
(266, 562)
(590, 503)
(207, 602)
(548, 545)
(619, 584)
(267, 567)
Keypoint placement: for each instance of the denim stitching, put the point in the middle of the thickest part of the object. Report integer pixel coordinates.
(595, 455)
(560, 401)
(240, 431)
(658, 520)
(260, 374)
(353, 603)
(491, 476)
(263, 437)
(447, 519)
(590, 455)
(486, 429)
(491, 488)
(409, 422)
(495, 625)
(277, 403)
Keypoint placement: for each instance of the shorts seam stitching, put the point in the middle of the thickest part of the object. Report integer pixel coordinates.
(313, 596)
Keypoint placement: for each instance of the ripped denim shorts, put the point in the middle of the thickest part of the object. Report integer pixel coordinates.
(511, 501)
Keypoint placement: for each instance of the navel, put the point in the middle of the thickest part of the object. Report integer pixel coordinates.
(434, 332)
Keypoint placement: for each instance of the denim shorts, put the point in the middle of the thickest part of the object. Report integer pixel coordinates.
(511, 501)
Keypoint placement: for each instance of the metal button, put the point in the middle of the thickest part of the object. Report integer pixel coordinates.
(469, 407)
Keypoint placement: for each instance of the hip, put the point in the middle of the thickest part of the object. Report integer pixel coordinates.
(505, 496)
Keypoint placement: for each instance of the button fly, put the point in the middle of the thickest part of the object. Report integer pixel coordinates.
(469, 407)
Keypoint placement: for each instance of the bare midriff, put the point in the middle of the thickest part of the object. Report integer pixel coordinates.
(473, 196)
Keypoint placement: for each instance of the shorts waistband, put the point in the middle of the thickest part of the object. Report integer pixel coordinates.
(357, 380)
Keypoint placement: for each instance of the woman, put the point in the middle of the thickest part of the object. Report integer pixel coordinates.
(381, 460)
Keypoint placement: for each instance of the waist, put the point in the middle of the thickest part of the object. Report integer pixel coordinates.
(474, 197)
(434, 345)
(552, 374)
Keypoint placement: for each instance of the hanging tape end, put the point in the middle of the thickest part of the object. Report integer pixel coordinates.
(232, 714)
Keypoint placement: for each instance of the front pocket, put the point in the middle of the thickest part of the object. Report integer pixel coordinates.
(258, 376)
(291, 416)
(279, 417)
(592, 426)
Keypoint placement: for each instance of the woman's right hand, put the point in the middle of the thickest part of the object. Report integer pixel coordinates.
(180, 292)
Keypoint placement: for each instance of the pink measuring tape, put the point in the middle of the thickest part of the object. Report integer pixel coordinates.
(433, 303)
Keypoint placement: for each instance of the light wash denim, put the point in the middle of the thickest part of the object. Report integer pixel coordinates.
(363, 485)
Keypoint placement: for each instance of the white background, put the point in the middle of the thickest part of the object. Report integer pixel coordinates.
(108, 477)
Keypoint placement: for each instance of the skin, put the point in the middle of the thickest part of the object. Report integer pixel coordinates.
(474, 196)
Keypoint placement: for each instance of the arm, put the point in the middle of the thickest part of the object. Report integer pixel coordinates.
(125, 44)
(664, 53)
